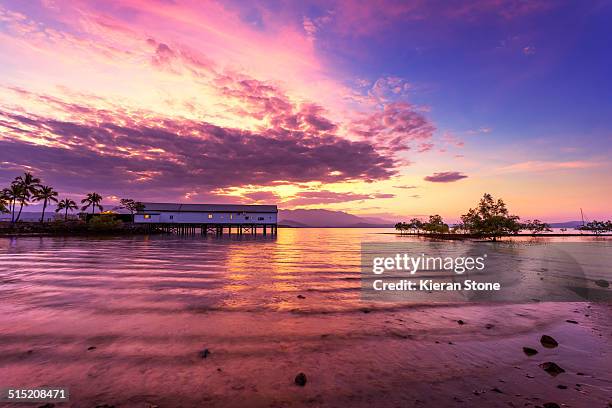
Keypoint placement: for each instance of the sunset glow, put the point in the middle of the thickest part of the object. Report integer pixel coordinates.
(387, 110)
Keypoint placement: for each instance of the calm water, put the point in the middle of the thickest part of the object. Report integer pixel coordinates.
(121, 321)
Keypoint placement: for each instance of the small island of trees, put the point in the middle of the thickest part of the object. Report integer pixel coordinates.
(489, 219)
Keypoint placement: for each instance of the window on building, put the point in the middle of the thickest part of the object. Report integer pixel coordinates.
(172, 217)
(209, 215)
(231, 216)
(246, 218)
(260, 218)
(147, 216)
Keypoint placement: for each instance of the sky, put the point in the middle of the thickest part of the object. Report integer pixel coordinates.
(377, 108)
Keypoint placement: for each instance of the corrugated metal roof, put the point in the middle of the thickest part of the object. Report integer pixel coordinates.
(210, 207)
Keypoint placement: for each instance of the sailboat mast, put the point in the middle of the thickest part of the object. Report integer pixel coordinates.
(582, 216)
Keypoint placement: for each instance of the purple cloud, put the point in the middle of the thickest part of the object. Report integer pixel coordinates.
(445, 177)
(157, 157)
(394, 127)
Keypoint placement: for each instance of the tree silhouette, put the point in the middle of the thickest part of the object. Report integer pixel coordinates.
(131, 205)
(67, 205)
(93, 200)
(490, 219)
(46, 194)
(28, 185)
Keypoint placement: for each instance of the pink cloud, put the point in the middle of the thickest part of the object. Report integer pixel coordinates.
(537, 165)
(425, 147)
(395, 126)
(449, 139)
(445, 177)
(141, 152)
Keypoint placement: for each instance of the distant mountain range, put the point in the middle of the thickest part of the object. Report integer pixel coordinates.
(327, 219)
(567, 224)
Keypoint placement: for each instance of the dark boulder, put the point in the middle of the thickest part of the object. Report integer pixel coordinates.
(548, 342)
(552, 368)
(301, 379)
(529, 351)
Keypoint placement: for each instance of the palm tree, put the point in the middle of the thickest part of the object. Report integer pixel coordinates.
(13, 194)
(46, 194)
(93, 200)
(67, 205)
(29, 185)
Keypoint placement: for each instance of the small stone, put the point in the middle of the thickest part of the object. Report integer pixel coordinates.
(497, 390)
(551, 405)
(91, 348)
(366, 310)
(489, 326)
(529, 351)
(602, 282)
(552, 368)
(47, 405)
(301, 297)
(548, 342)
(300, 379)
(204, 353)
(460, 322)
(572, 321)
(562, 387)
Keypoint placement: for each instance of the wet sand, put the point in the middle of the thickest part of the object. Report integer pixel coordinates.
(120, 334)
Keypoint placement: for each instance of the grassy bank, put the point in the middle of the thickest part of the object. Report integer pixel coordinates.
(96, 226)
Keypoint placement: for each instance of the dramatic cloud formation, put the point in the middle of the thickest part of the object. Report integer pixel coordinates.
(190, 123)
(445, 177)
(140, 153)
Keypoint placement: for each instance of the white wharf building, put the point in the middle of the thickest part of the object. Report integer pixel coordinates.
(209, 217)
